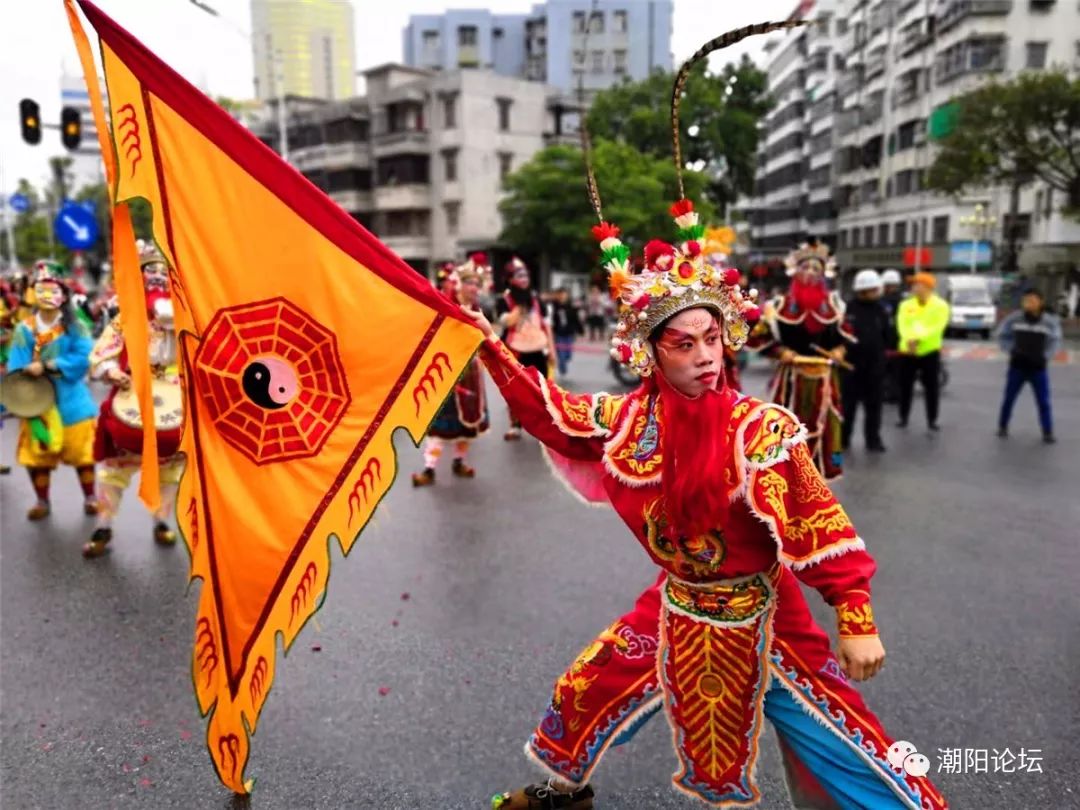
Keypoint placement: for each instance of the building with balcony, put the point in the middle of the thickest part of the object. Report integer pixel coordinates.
(793, 198)
(904, 60)
(420, 159)
(560, 42)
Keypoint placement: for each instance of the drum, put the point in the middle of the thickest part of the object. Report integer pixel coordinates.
(168, 406)
(26, 396)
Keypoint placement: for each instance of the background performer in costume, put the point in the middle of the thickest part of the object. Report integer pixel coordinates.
(464, 415)
(722, 493)
(119, 437)
(53, 342)
(805, 331)
(526, 329)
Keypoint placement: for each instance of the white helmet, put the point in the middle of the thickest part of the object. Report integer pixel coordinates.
(891, 277)
(867, 280)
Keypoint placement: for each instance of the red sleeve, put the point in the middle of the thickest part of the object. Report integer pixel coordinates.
(573, 425)
(814, 535)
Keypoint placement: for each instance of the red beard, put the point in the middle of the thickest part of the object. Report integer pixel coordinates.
(696, 455)
(809, 298)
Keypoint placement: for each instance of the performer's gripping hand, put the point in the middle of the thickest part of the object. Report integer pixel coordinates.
(481, 321)
(787, 356)
(861, 657)
(35, 369)
(118, 378)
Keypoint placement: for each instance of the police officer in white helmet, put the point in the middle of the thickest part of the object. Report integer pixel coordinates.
(863, 384)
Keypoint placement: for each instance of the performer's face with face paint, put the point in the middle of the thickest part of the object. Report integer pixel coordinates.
(690, 351)
(48, 295)
(810, 273)
(156, 277)
(520, 279)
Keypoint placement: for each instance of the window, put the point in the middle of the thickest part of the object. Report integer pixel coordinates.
(496, 33)
(620, 62)
(842, 240)
(466, 36)
(579, 22)
(618, 22)
(1049, 210)
(868, 236)
(596, 22)
(506, 164)
(450, 164)
(431, 40)
(1038, 203)
(883, 234)
(450, 111)
(453, 216)
(579, 58)
(597, 61)
(841, 27)
(855, 237)
(1036, 55)
(900, 233)
(941, 229)
(504, 113)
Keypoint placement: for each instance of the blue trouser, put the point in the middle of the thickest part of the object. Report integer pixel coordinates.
(850, 782)
(564, 350)
(1040, 382)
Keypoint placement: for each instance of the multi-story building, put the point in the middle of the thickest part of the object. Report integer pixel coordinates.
(303, 48)
(86, 166)
(559, 42)
(904, 61)
(420, 159)
(793, 197)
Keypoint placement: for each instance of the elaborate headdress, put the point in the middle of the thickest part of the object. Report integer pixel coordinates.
(475, 267)
(814, 254)
(674, 277)
(50, 270)
(445, 271)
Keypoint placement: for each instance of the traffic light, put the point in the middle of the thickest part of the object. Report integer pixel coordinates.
(30, 120)
(70, 127)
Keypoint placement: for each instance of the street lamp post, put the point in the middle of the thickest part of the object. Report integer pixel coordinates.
(979, 221)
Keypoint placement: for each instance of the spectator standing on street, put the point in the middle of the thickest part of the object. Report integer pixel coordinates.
(566, 325)
(597, 306)
(921, 321)
(868, 319)
(1030, 337)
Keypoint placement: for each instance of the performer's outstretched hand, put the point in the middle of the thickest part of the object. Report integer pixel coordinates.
(481, 321)
(861, 658)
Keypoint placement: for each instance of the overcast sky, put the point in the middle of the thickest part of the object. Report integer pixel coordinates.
(36, 48)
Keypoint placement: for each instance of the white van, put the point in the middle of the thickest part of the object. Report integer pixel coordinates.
(971, 305)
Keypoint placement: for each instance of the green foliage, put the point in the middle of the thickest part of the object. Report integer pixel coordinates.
(1014, 133)
(725, 108)
(547, 213)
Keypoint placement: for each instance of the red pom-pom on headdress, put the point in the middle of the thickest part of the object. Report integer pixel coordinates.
(479, 259)
(656, 249)
(605, 230)
(683, 206)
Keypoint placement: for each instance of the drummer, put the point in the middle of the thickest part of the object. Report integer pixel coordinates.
(51, 345)
(118, 443)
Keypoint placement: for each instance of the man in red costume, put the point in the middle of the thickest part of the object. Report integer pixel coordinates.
(721, 491)
(119, 437)
(805, 330)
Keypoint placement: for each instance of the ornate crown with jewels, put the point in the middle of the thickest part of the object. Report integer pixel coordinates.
(816, 255)
(475, 267)
(673, 279)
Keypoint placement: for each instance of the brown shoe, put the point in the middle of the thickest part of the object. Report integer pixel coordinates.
(512, 435)
(424, 479)
(99, 543)
(463, 470)
(39, 511)
(543, 797)
(90, 506)
(163, 535)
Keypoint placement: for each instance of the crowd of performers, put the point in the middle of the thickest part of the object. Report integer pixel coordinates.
(49, 357)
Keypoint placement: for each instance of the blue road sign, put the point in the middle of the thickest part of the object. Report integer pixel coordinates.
(19, 203)
(75, 227)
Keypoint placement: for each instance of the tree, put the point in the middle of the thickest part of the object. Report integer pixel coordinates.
(546, 212)
(722, 110)
(1012, 134)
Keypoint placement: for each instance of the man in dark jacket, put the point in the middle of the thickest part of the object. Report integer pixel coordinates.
(566, 324)
(868, 319)
(1030, 337)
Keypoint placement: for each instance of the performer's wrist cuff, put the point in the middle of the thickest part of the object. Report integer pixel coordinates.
(855, 620)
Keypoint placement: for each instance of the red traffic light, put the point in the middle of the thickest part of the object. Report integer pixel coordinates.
(30, 120)
(70, 127)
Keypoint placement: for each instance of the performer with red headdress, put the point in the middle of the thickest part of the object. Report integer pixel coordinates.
(721, 491)
(118, 443)
(464, 415)
(805, 330)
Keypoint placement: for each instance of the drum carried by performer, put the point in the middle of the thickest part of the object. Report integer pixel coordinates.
(118, 443)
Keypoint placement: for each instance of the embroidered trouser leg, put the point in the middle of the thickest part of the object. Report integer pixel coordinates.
(607, 694)
(433, 449)
(114, 477)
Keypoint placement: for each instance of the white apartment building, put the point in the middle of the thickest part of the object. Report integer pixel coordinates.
(904, 60)
(420, 159)
(794, 196)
